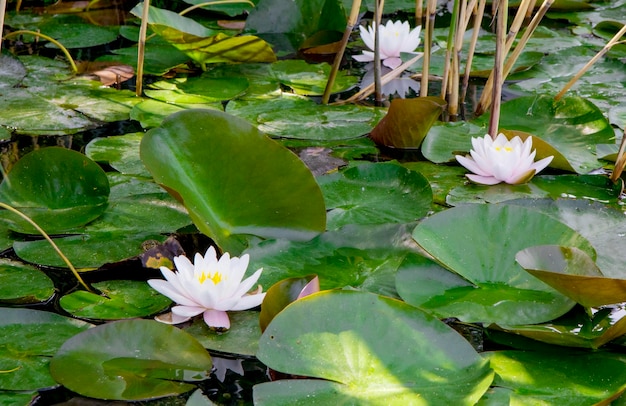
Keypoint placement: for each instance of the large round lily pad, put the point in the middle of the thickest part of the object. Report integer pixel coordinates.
(58, 188)
(370, 350)
(131, 360)
(28, 338)
(225, 172)
(375, 194)
(487, 284)
(22, 284)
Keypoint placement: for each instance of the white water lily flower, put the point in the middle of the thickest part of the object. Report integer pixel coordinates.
(208, 286)
(395, 37)
(501, 160)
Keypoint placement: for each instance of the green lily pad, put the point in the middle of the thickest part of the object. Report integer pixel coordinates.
(568, 379)
(12, 71)
(308, 79)
(445, 140)
(587, 187)
(226, 178)
(202, 89)
(131, 360)
(23, 284)
(25, 362)
(407, 122)
(283, 293)
(151, 113)
(573, 273)
(375, 194)
(242, 338)
(485, 287)
(577, 328)
(363, 257)
(120, 299)
(442, 178)
(57, 188)
(121, 152)
(17, 398)
(410, 356)
(73, 32)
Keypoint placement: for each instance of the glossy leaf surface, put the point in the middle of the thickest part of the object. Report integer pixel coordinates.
(226, 178)
(130, 360)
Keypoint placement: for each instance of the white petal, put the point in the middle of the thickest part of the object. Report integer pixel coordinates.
(245, 286)
(483, 180)
(392, 62)
(187, 311)
(365, 57)
(541, 164)
(249, 301)
(166, 289)
(216, 318)
(367, 35)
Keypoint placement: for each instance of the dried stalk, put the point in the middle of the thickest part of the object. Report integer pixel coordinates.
(3, 6)
(378, 14)
(431, 8)
(354, 14)
(498, 66)
(141, 50)
(478, 16)
(615, 40)
(484, 102)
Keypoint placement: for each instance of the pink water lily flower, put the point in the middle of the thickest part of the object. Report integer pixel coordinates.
(208, 286)
(395, 37)
(501, 160)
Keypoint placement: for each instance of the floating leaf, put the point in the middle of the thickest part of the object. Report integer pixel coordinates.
(22, 284)
(407, 122)
(122, 299)
(242, 338)
(365, 345)
(566, 378)
(58, 188)
(310, 79)
(25, 362)
(226, 178)
(375, 194)
(485, 287)
(121, 152)
(131, 360)
(281, 294)
(577, 328)
(572, 272)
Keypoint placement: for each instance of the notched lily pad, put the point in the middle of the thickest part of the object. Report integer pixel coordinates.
(119, 299)
(131, 360)
(23, 284)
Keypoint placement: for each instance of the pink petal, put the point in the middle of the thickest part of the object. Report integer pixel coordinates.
(216, 318)
(366, 57)
(392, 62)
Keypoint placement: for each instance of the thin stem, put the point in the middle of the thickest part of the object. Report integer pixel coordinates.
(211, 3)
(378, 14)
(431, 9)
(478, 16)
(498, 66)
(47, 38)
(593, 60)
(141, 49)
(419, 12)
(354, 15)
(47, 237)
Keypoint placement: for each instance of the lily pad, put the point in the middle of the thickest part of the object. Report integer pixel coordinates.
(25, 362)
(586, 329)
(121, 152)
(375, 194)
(310, 79)
(131, 360)
(568, 379)
(120, 299)
(283, 293)
(202, 89)
(485, 287)
(364, 345)
(363, 257)
(407, 122)
(242, 338)
(573, 273)
(23, 284)
(57, 188)
(226, 178)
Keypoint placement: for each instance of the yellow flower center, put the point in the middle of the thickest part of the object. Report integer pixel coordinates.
(505, 149)
(216, 277)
